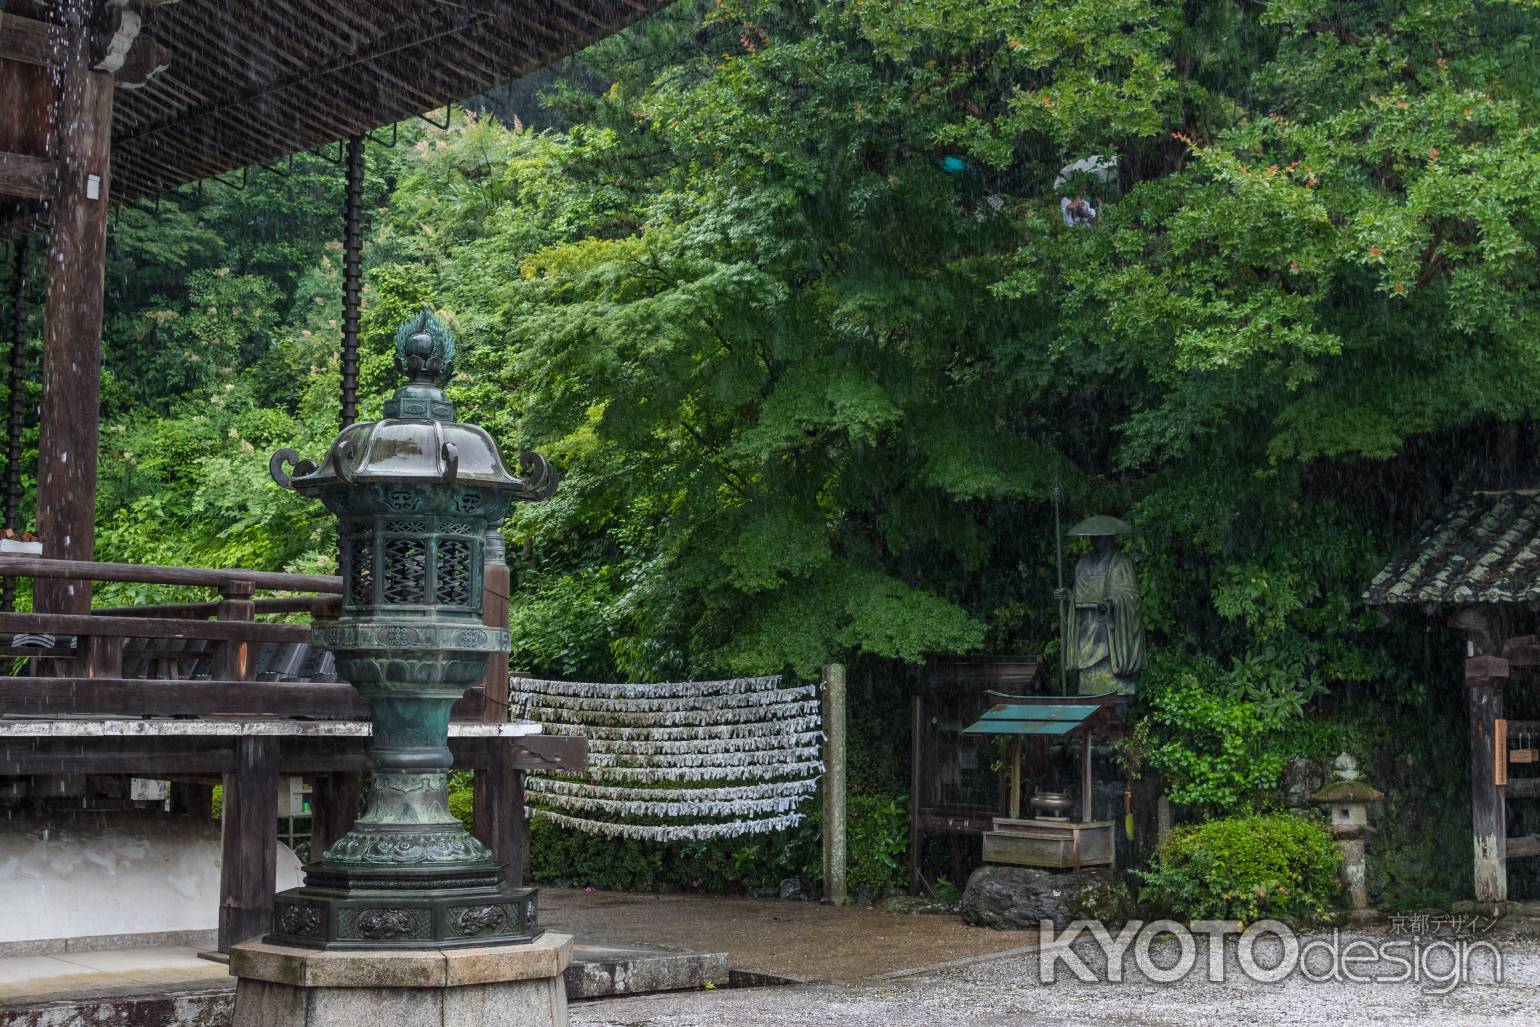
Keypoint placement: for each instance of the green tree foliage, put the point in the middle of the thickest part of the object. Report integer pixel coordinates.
(809, 382)
(810, 389)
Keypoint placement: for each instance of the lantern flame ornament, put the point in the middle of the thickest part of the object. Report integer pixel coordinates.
(418, 497)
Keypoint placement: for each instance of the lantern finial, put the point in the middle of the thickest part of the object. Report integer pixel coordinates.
(425, 353)
(425, 348)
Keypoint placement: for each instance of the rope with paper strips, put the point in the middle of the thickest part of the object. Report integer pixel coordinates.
(679, 761)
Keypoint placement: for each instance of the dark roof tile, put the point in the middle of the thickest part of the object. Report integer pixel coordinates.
(1481, 547)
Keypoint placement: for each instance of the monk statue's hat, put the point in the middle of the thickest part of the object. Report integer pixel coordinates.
(1101, 524)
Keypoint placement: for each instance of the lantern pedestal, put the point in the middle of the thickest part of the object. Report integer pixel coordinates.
(518, 986)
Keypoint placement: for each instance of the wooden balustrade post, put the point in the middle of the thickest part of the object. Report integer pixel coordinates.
(232, 656)
(100, 656)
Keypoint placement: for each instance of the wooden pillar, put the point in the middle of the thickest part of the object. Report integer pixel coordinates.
(499, 789)
(72, 320)
(16, 386)
(352, 278)
(499, 809)
(1015, 806)
(916, 741)
(834, 784)
(334, 806)
(1085, 777)
(495, 583)
(518, 833)
(192, 798)
(1484, 676)
(248, 875)
(335, 798)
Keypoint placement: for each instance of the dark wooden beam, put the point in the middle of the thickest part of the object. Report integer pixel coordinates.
(232, 656)
(1523, 651)
(1523, 846)
(1523, 788)
(72, 324)
(151, 574)
(248, 875)
(111, 697)
(28, 92)
(24, 40)
(26, 178)
(336, 757)
(153, 627)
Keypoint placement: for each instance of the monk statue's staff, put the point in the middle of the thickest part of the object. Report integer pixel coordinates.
(1057, 495)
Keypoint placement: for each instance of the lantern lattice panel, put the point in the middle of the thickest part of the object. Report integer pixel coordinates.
(452, 572)
(406, 571)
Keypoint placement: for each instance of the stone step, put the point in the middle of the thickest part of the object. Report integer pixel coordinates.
(600, 970)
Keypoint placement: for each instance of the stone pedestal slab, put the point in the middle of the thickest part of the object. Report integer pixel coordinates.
(506, 985)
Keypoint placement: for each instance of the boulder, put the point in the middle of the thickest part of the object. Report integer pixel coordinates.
(1013, 898)
(1302, 777)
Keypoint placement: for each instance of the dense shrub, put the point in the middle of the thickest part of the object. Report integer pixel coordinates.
(462, 798)
(877, 844)
(1213, 750)
(1245, 868)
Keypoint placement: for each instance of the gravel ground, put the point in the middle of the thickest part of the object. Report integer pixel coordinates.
(1008, 992)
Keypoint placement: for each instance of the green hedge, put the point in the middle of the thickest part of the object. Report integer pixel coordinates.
(1245, 868)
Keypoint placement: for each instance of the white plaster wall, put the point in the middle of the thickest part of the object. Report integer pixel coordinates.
(85, 874)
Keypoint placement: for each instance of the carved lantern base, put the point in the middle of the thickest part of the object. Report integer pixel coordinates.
(414, 914)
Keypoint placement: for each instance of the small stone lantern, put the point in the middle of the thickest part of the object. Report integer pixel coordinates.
(1347, 799)
(417, 495)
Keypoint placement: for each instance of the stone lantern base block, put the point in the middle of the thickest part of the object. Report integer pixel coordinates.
(506, 985)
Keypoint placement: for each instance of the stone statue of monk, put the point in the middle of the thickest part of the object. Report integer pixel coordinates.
(1104, 614)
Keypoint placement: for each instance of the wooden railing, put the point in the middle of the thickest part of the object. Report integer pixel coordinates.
(228, 624)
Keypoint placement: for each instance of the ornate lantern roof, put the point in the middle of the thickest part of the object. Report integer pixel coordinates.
(419, 439)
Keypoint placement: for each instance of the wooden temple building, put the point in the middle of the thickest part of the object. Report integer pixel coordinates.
(103, 101)
(1476, 563)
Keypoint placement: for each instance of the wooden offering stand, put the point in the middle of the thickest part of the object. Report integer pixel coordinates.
(1043, 841)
